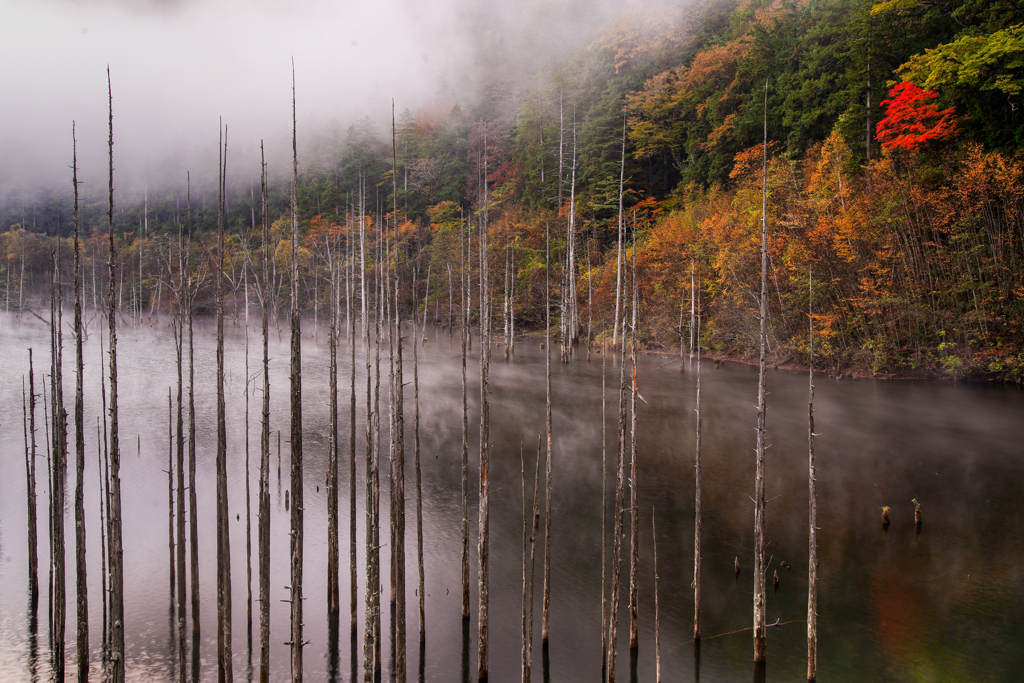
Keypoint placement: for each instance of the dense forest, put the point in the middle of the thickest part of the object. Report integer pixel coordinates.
(895, 177)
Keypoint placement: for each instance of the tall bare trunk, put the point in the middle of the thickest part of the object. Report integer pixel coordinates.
(634, 513)
(697, 503)
(264, 489)
(483, 538)
(398, 484)
(193, 504)
(296, 421)
(420, 590)
(58, 481)
(224, 663)
(81, 580)
(759, 503)
(115, 549)
(546, 608)
(30, 477)
(618, 253)
(812, 562)
(604, 511)
(620, 486)
(353, 586)
(333, 588)
(178, 321)
(466, 270)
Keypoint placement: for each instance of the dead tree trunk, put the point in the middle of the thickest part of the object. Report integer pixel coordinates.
(353, 586)
(812, 563)
(81, 581)
(264, 490)
(546, 613)
(634, 514)
(618, 253)
(483, 540)
(224, 663)
(466, 261)
(604, 512)
(759, 503)
(170, 499)
(398, 484)
(180, 443)
(58, 480)
(620, 485)
(420, 592)
(115, 549)
(193, 505)
(697, 503)
(296, 421)
(30, 478)
(333, 588)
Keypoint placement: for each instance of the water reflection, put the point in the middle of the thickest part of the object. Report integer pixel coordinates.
(895, 603)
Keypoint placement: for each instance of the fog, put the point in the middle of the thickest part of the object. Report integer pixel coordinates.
(177, 66)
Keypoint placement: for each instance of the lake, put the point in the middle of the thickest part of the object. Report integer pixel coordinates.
(939, 603)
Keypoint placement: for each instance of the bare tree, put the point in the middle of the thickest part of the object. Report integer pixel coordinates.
(81, 580)
(620, 485)
(466, 272)
(697, 503)
(30, 476)
(483, 539)
(546, 613)
(296, 421)
(224, 663)
(634, 513)
(812, 562)
(115, 548)
(264, 488)
(759, 503)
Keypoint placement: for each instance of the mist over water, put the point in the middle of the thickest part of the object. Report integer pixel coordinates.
(894, 605)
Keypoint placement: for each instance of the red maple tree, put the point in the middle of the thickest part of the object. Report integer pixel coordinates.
(912, 119)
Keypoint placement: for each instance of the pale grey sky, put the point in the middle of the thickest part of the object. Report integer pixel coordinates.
(177, 65)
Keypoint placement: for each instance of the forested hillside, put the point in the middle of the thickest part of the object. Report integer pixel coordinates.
(895, 177)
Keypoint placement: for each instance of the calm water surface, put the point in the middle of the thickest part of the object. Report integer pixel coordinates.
(939, 604)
